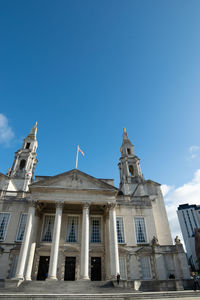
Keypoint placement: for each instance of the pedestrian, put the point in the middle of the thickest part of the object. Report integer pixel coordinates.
(195, 278)
(118, 278)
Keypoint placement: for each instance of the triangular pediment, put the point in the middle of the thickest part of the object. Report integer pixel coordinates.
(73, 179)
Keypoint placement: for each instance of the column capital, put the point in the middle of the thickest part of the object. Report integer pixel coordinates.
(86, 205)
(33, 203)
(112, 205)
(59, 204)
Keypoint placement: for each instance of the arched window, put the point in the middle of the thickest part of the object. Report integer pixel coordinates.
(28, 145)
(131, 170)
(22, 164)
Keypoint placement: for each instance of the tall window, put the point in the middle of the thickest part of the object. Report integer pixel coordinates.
(140, 230)
(95, 230)
(21, 228)
(72, 230)
(4, 219)
(120, 230)
(48, 228)
(146, 268)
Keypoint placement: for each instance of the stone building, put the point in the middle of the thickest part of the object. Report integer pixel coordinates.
(73, 226)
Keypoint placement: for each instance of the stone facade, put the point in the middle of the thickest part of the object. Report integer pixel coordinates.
(73, 226)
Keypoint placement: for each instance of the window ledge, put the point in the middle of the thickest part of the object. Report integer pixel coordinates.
(71, 243)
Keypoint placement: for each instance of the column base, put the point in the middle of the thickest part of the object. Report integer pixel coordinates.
(28, 279)
(21, 278)
(83, 278)
(51, 278)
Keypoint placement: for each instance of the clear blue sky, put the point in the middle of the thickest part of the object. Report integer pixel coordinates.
(86, 69)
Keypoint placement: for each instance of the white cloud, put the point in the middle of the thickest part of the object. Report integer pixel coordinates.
(194, 151)
(166, 189)
(187, 193)
(6, 132)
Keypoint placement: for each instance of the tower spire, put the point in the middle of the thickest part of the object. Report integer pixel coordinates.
(129, 166)
(125, 135)
(25, 160)
(33, 132)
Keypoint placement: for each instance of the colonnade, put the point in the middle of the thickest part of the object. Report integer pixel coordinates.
(26, 256)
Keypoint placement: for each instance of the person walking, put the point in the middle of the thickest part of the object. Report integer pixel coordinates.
(118, 278)
(195, 278)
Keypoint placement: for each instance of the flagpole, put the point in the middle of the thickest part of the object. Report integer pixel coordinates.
(77, 157)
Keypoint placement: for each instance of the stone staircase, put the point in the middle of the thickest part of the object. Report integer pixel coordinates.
(82, 290)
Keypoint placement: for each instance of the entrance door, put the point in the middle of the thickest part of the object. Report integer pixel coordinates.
(43, 268)
(95, 268)
(70, 265)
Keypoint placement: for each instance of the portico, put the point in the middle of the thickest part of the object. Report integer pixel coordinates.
(70, 233)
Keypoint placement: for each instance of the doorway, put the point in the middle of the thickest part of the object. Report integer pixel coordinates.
(95, 268)
(43, 268)
(70, 267)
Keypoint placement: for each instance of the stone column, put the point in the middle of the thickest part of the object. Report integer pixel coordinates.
(52, 275)
(26, 243)
(84, 274)
(114, 255)
(30, 258)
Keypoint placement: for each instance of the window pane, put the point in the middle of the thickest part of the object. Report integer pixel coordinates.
(145, 266)
(72, 230)
(120, 230)
(48, 229)
(140, 230)
(21, 229)
(95, 230)
(4, 218)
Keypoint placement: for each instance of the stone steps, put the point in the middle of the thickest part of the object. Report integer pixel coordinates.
(82, 290)
(119, 296)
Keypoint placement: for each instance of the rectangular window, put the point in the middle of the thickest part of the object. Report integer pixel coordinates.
(48, 228)
(122, 268)
(120, 230)
(140, 230)
(21, 228)
(146, 268)
(14, 266)
(95, 236)
(4, 219)
(72, 230)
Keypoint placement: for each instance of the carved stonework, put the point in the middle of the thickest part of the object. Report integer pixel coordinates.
(59, 204)
(33, 203)
(86, 205)
(154, 241)
(177, 240)
(112, 205)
